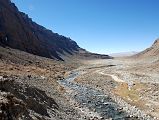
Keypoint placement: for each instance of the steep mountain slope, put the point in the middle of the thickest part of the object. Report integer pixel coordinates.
(150, 55)
(152, 51)
(18, 31)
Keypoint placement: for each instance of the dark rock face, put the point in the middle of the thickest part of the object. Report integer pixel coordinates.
(18, 31)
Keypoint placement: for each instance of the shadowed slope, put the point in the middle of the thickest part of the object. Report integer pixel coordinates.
(18, 31)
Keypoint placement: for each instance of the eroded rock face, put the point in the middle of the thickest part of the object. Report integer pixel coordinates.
(18, 31)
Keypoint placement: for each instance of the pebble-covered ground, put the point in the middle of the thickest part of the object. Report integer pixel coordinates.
(114, 89)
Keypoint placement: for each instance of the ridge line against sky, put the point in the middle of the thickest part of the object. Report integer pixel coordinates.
(101, 26)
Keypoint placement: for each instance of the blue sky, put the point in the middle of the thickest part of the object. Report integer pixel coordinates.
(101, 26)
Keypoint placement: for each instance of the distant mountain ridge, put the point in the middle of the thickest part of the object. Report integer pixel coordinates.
(18, 31)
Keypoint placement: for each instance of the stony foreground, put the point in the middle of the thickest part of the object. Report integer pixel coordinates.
(118, 89)
(129, 83)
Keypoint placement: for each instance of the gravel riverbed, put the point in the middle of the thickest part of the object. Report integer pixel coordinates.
(100, 105)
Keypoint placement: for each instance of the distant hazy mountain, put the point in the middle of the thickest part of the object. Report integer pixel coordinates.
(123, 54)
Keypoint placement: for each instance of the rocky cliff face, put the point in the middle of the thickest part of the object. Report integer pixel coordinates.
(18, 31)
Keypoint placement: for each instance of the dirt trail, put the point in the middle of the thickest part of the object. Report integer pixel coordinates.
(115, 78)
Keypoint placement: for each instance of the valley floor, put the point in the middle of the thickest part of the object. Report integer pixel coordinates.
(114, 89)
(36, 88)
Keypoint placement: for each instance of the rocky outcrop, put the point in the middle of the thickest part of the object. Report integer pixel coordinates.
(20, 101)
(18, 31)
